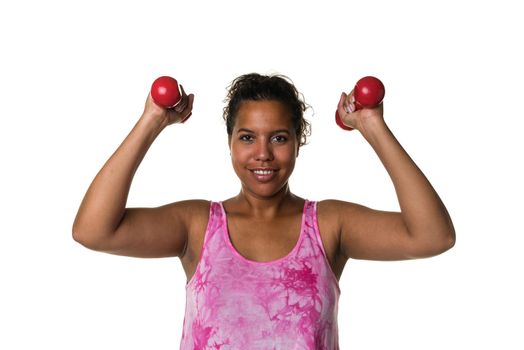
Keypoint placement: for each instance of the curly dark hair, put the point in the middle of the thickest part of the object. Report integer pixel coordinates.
(257, 87)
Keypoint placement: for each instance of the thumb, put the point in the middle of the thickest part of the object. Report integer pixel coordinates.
(343, 97)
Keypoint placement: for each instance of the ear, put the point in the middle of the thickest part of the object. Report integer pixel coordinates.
(229, 142)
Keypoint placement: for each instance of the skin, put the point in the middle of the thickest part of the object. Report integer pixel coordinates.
(263, 138)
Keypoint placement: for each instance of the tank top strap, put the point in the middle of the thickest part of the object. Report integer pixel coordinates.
(212, 240)
(216, 219)
(311, 225)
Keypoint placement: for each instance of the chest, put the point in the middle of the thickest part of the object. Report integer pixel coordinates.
(264, 240)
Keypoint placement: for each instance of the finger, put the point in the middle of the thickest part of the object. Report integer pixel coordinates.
(349, 103)
(189, 104)
(182, 104)
(341, 100)
(186, 118)
(351, 96)
(188, 111)
(179, 108)
(182, 91)
(343, 106)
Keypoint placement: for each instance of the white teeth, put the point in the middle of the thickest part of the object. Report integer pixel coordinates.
(263, 172)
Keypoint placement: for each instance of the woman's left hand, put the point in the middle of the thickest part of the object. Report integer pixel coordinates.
(356, 118)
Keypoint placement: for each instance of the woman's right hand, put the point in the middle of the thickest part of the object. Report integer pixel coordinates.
(167, 116)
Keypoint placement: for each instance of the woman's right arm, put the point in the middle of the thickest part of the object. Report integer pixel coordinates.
(104, 223)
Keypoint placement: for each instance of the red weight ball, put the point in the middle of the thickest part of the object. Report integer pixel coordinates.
(369, 92)
(166, 92)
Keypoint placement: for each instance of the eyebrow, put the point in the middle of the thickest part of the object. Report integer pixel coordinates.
(278, 131)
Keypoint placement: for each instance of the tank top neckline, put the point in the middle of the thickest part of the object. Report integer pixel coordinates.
(236, 253)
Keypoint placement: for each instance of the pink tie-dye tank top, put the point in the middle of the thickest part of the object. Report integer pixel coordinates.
(233, 303)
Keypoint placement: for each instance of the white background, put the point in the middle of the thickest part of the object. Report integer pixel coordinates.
(73, 80)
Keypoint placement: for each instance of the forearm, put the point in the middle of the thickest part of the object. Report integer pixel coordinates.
(422, 210)
(103, 206)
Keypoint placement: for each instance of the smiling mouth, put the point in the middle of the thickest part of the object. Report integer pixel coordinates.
(263, 172)
(264, 175)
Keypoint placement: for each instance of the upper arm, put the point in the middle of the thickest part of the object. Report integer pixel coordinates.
(155, 232)
(370, 234)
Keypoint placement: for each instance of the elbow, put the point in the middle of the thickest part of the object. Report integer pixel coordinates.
(76, 233)
(79, 232)
(446, 243)
(451, 241)
(433, 245)
(86, 237)
(81, 237)
(78, 236)
(443, 241)
(449, 237)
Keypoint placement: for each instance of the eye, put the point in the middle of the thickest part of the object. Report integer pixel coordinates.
(279, 138)
(246, 138)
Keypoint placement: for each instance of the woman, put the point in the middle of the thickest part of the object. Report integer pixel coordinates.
(263, 266)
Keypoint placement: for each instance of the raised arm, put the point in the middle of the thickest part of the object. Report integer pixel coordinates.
(423, 226)
(104, 223)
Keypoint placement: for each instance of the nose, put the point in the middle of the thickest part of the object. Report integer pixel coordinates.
(264, 151)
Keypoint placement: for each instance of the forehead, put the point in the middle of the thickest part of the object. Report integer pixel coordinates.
(263, 114)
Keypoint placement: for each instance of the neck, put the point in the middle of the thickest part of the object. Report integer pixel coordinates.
(265, 206)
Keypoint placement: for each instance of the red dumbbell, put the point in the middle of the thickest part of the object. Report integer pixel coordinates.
(166, 92)
(369, 93)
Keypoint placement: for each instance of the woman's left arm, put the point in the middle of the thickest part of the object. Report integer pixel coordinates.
(423, 227)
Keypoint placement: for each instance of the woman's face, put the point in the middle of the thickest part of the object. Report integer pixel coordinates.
(263, 147)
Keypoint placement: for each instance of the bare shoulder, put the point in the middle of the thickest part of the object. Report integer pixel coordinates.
(366, 233)
(191, 212)
(190, 218)
(335, 216)
(162, 231)
(157, 232)
(335, 210)
(330, 216)
(194, 214)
